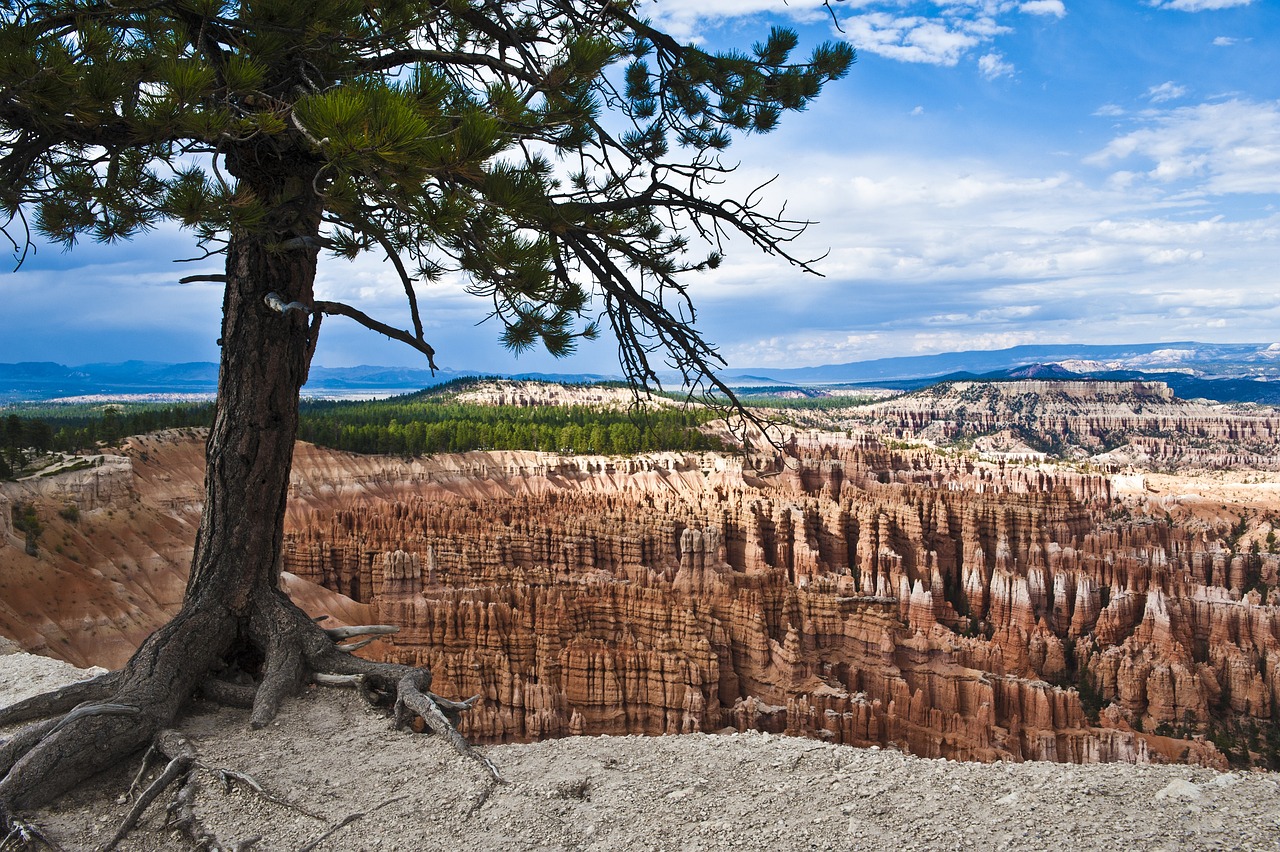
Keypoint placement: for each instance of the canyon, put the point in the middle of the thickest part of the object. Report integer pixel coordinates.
(1126, 423)
(852, 588)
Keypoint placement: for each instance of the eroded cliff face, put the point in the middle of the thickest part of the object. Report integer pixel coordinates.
(856, 594)
(6, 519)
(850, 592)
(1122, 422)
(107, 575)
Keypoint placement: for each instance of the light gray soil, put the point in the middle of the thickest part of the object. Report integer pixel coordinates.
(330, 757)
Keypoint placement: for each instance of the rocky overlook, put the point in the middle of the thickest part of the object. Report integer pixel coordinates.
(848, 591)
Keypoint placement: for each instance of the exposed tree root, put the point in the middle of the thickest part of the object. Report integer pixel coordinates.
(227, 693)
(344, 822)
(182, 766)
(410, 697)
(20, 834)
(60, 700)
(102, 721)
(181, 757)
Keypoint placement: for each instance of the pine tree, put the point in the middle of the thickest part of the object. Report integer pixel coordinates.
(547, 150)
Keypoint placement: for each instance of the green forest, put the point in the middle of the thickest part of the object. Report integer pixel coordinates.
(419, 425)
(44, 429)
(422, 423)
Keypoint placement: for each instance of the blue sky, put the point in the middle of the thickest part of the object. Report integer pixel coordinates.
(989, 174)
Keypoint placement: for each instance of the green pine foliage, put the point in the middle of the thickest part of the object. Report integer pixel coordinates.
(77, 428)
(410, 427)
(550, 153)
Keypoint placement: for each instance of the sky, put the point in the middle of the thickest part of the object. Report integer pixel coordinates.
(990, 173)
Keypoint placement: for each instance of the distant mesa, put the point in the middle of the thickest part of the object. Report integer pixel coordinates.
(1043, 371)
(1209, 361)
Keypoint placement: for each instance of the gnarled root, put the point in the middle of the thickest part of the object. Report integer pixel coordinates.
(182, 767)
(20, 834)
(413, 699)
(181, 756)
(106, 719)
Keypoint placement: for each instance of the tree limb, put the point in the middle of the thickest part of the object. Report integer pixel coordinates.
(345, 310)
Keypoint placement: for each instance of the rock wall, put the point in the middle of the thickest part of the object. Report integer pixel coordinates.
(90, 482)
(846, 591)
(863, 596)
(1124, 422)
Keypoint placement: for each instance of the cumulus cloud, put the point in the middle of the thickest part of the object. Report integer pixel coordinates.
(934, 34)
(821, 347)
(938, 254)
(684, 18)
(1224, 41)
(1044, 7)
(1167, 91)
(1231, 146)
(992, 65)
(933, 41)
(963, 342)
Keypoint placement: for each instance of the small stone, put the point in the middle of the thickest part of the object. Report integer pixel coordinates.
(1180, 788)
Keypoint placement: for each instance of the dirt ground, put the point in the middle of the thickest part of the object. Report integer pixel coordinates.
(331, 764)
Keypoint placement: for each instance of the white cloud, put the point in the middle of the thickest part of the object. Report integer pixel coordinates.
(911, 39)
(1044, 7)
(963, 342)
(1232, 146)
(929, 33)
(918, 110)
(1109, 111)
(1224, 41)
(939, 254)
(1167, 91)
(684, 18)
(1198, 5)
(992, 65)
(810, 347)
(1166, 257)
(983, 317)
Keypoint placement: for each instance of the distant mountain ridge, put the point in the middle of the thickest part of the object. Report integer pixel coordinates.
(42, 380)
(1204, 360)
(1227, 372)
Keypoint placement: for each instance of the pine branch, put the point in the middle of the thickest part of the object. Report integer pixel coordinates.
(345, 310)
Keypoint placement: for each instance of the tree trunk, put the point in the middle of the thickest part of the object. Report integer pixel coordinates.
(233, 603)
(250, 449)
(234, 613)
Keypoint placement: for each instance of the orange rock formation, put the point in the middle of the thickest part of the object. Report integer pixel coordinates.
(850, 592)
(1138, 422)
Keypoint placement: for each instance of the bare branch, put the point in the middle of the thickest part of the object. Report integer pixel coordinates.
(341, 309)
(339, 633)
(400, 58)
(371, 230)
